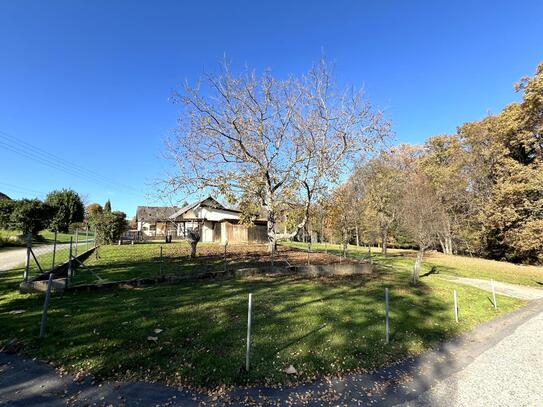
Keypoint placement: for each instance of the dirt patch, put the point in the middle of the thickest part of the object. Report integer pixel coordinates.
(258, 254)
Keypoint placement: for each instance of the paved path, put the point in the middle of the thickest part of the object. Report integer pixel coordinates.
(9, 259)
(511, 290)
(508, 374)
(498, 363)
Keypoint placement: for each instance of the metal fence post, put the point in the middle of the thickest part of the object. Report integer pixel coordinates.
(69, 275)
(161, 261)
(493, 294)
(225, 245)
(54, 251)
(46, 306)
(455, 306)
(28, 250)
(248, 349)
(387, 327)
(76, 240)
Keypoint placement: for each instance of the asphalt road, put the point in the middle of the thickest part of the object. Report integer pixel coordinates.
(9, 259)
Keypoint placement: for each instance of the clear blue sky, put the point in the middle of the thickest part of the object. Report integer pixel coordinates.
(90, 80)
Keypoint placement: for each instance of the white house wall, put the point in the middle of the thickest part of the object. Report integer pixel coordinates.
(207, 232)
(215, 214)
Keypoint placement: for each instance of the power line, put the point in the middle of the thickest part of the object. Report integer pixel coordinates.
(48, 159)
(21, 190)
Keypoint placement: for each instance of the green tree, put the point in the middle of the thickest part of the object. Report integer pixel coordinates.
(107, 206)
(109, 226)
(30, 215)
(67, 208)
(6, 208)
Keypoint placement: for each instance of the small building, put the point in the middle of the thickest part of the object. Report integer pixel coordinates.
(216, 223)
(154, 221)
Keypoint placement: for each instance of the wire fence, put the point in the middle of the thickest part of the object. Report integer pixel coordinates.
(44, 253)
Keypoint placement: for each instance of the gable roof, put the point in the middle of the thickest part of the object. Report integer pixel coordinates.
(154, 213)
(208, 202)
(4, 196)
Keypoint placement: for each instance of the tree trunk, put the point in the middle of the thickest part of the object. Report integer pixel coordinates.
(384, 238)
(448, 245)
(417, 265)
(193, 245)
(357, 236)
(272, 241)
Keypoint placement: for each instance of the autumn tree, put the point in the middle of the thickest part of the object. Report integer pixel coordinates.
(420, 216)
(382, 182)
(342, 210)
(444, 162)
(271, 141)
(506, 167)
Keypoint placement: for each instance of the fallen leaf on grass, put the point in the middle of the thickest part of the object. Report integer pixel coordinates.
(290, 370)
(17, 311)
(158, 330)
(152, 338)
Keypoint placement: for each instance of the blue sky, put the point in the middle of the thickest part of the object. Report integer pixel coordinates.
(90, 81)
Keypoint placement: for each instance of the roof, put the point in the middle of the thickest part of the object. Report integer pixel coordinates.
(209, 202)
(4, 196)
(154, 213)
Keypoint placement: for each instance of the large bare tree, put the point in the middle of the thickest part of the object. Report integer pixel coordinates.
(274, 143)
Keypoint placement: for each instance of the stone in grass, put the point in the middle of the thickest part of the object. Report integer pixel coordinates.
(152, 338)
(157, 330)
(291, 370)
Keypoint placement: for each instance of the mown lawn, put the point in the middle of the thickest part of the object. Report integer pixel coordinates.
(447, 265)
(320, 326)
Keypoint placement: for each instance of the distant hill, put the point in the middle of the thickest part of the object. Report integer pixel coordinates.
(4, 196)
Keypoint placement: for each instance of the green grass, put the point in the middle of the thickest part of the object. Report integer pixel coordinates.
(320, 326)
(447, 265)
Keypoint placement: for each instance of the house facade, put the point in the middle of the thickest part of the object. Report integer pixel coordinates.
(216, 223)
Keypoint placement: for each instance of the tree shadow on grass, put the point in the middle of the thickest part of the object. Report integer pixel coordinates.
(322, 325)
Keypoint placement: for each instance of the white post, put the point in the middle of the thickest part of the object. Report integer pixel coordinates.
(28, 250)
(161, 261)
(493, 294)
(387, 327)
(455, 306)
(70, 272)
(87, 238)
(46, 306)
(76, 240)
(54, 251)
(248, 350)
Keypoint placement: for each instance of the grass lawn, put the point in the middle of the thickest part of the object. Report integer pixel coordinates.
(447, 265)
(320, 326)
